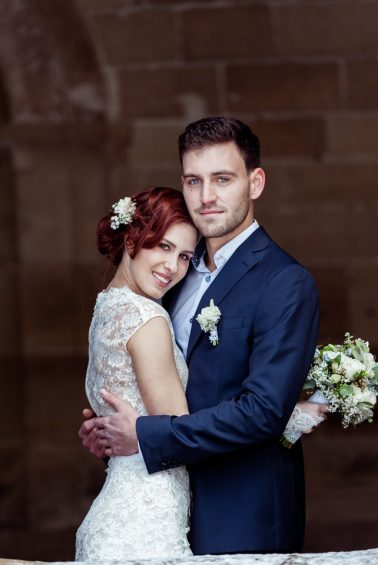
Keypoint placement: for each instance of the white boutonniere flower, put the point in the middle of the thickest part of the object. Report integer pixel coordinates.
(208, 320)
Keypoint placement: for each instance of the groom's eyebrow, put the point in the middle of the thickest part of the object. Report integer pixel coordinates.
(224, 172)
(190, 175)
(214, 173)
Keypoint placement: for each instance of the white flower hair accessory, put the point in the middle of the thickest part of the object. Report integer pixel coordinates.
(124, 211)
(208, 320)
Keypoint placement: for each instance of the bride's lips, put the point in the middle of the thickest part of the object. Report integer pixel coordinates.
(161, 279)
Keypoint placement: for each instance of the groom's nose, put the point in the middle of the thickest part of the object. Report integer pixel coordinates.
(207, 193)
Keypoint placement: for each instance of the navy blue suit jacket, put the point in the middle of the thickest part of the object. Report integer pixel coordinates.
(248, 490)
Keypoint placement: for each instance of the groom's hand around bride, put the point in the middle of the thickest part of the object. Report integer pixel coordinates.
(88, 435)
(109, 436)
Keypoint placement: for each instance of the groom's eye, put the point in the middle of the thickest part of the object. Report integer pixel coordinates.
(193, 182)
(223, 180)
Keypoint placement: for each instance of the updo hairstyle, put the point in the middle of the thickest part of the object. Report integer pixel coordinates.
(157, 209)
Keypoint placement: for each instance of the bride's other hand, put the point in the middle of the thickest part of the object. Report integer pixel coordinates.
(315, 410)
(116, 434)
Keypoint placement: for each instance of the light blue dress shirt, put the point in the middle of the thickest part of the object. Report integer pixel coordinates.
(197, 282)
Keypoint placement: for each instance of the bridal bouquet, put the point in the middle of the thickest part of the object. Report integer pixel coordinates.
(345, 376)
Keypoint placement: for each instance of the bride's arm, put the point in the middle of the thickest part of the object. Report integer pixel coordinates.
(151, 350)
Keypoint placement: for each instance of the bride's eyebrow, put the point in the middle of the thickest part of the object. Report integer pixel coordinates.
(165, 240)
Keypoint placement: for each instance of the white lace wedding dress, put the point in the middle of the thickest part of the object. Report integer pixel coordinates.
(136, 515)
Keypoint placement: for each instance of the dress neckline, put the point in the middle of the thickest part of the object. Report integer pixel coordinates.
(114, 288)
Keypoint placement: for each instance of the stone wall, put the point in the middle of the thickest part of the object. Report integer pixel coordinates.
(93, 94)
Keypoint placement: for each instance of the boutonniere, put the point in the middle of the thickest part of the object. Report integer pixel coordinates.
(208, 320)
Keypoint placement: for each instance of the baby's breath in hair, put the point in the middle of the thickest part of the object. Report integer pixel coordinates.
(124, 211)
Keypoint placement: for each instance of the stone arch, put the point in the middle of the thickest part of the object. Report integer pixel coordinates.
(50, 66)
(54, 170)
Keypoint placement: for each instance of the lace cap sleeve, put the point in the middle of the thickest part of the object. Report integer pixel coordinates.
(137, 312)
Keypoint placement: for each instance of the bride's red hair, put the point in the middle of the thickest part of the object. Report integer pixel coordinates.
(157, 209)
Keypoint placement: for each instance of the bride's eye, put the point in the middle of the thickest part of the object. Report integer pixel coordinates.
(164, 246)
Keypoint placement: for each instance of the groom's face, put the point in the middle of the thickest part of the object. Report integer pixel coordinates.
(219, 191)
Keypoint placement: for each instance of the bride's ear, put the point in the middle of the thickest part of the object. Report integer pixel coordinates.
(129, 246)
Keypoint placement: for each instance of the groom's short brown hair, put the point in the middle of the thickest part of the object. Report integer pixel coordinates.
(214, 130)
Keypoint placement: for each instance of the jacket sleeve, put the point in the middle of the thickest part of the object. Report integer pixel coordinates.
(284, 334)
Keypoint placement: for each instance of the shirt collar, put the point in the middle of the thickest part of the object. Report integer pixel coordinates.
(225, 252)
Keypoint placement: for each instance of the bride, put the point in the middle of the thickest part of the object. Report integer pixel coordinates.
(132, 353)
(150, 238)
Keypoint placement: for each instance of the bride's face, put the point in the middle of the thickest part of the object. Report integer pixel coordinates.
(154, 271)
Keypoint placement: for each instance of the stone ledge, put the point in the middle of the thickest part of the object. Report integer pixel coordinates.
(366, 557)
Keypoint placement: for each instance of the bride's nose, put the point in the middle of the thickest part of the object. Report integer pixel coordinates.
(171, 264)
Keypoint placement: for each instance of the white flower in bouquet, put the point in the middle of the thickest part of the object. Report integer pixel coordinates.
(365, 396)
(350, 367)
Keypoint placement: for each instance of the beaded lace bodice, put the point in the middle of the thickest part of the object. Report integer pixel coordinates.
(118, 314)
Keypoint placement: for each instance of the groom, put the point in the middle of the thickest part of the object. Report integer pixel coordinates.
(248, 490)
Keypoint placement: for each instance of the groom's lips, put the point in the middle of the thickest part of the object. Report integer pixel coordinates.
(210, 212)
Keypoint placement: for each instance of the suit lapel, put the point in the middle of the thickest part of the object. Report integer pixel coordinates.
(241, 261)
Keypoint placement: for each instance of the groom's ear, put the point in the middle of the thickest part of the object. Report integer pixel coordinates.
(256, 183)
